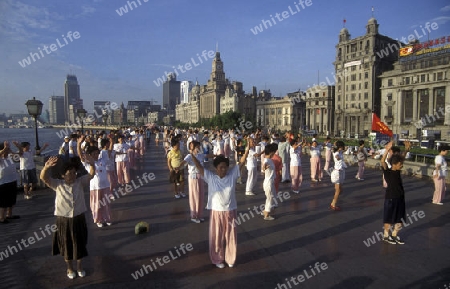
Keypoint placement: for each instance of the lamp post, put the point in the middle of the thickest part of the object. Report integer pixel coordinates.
(105, 119)
(81, 112)
(34, 107)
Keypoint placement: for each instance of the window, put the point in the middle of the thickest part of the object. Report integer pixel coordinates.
(389, 82)
(366, 105)
(366, 75)
(316, 94)
(353, 87)
(389, 96)
(353, 68)
(323, 93)
(389, 111)
(366, 85)
(353, 105)
(422, 78)
(366, 95)
(353, 77)
(339, 98)
(279, 111)
(439, 76)
(360, 86)
(407, 79)
(353, 97)
(359, 96)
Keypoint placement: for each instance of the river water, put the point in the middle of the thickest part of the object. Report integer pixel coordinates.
(53, 136)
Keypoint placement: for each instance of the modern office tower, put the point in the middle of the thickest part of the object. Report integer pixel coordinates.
(72, 100)
(56, 109)
(186, 87)
(171, 93)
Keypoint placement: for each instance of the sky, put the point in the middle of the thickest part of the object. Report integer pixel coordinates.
(118, 56)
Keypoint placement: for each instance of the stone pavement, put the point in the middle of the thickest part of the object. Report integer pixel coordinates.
(271, 254)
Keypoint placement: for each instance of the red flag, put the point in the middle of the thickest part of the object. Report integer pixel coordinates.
(378, 125)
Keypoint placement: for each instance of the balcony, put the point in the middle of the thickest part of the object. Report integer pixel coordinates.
(388, 118)
(389, 102)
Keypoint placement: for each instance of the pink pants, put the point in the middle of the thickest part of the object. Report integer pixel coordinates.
(131, 158)
(100, 205)
(142, 147)
(360, 173)
(112, 178)
(196, 197)
(439, 189)
(123, 172)
(222, 237)
(327, 160)
(296, 177)
(315, 168)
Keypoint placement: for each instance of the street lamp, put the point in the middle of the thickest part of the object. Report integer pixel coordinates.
(105, 119)
(81, 112)
(34, 107)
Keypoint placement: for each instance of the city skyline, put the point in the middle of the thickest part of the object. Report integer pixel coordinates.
(118, 53)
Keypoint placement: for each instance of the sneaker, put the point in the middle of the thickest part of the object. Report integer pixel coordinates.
(269, 218)
(195, 220)
(202, 220)
(183, 195)
(296, 192)
(81, 273)
(249, 193)
(438, 204)
(177, 196)
(108, 224)
(231, 265)
(178, 184)
(71, 275)
(397, 240)
(389, 240)
(99, 225)
(220, 266)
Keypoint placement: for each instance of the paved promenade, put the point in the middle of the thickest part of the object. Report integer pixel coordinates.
(306, 242)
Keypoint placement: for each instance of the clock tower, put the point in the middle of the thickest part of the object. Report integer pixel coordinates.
(217, 74)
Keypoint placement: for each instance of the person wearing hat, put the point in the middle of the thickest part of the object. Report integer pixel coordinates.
(439, 175)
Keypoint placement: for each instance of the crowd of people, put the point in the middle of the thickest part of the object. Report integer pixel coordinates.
(102, 162)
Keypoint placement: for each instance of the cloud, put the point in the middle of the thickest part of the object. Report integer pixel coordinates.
(441, 19)
(445, 9)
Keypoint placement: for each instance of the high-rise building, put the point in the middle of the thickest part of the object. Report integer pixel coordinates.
(186, 87)
(171, 93)
(56, 109)
(359, 63)
(72, 100)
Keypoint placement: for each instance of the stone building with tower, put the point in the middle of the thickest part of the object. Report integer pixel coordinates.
(359, 63)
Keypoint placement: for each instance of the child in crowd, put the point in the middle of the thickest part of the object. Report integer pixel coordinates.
(174, 160)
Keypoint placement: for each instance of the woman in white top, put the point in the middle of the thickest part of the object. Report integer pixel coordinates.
(269, 180)
(222, 203)
(439, 175)
(99, 184)
(338, 174)
(295, 152)
(8, 183)
(218, 145)
(252, 165)
(196, 182)
(316, 170)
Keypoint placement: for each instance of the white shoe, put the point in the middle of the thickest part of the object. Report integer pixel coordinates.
(231, 265)
(108, 224)
(438, 204)
(220, 266)
(195, 220)
(183, 195)
(249, 193)
(99, 225)
(177, 196)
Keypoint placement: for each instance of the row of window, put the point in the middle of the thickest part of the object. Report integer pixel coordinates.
(354, 105)
(353, 96)
(425, 63)
(425, 77)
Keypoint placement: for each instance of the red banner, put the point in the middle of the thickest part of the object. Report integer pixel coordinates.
(381, 127)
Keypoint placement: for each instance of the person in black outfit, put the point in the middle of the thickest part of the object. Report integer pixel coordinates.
(394, 203)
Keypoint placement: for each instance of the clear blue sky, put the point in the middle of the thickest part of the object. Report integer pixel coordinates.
(118, 58)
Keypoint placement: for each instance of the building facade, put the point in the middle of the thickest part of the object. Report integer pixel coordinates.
(56, 110)
(211, 93)
(189, 112)
(185, 90)
(358, 64)
(72, 100)
(416, 94)
(281, 114)
(320, 109)
(171, 93)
